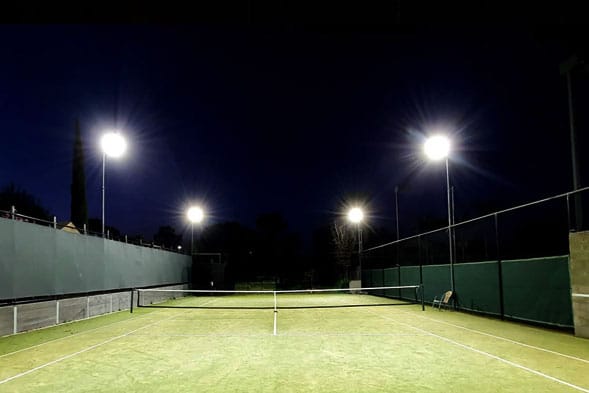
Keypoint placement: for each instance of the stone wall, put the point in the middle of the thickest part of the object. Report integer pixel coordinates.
(579, 268)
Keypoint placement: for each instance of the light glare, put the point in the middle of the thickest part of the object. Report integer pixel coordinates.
(195, 214)
(437, 147)
(355, 215)
(113, 144)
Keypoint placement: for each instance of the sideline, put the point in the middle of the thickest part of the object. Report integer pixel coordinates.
(508, 340)
(87, 349)
(579, 388)
(71, 335)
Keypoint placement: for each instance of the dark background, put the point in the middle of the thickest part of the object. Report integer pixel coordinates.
(297, 109)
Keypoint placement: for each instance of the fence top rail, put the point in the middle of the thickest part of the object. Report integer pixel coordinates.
(445, 228)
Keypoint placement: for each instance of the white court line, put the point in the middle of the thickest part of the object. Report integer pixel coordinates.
(282, 334)
(83, 350)
(488, 355)
(71, 335)
(508, 340)
(76, 353)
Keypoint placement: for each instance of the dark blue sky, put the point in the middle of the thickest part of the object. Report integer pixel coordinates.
(247, 120)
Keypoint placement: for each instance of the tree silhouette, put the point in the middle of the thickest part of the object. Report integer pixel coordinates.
(166, 237)
(343, 244)
(25, 203)
(78, 207)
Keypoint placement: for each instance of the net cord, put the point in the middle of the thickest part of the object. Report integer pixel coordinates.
(279, 291)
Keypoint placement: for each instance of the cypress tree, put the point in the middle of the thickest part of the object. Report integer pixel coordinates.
(78, 207)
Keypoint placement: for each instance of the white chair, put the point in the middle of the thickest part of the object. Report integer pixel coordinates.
(443, 301)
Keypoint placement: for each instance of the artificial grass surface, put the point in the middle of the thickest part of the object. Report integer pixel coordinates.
(360, 349)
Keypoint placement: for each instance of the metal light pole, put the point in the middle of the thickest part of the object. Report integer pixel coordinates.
(355, 216)
(397, 209)
(103, 181)
(450, 248)
(359, 251)
(566, 68)
(437, 148)
(195, 215)
(113, 145)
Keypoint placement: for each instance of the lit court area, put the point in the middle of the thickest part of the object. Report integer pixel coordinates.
(314, 342)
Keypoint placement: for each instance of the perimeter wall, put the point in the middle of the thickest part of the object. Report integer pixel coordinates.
(533, 290)
(38, 261)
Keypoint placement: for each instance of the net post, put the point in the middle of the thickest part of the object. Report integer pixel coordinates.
(275, 312)
(131, 308)
(422, 297)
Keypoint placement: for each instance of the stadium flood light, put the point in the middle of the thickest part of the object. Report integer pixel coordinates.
(195, 214)
(355, 215)
(113, 144)
(437, 147)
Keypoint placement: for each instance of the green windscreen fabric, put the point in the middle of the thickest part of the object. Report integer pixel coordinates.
(367, 277)
(377, 280)
(477, 286)
(391, 279)
(43, 261)
(436, 281)
(538, 290)
(409, 276)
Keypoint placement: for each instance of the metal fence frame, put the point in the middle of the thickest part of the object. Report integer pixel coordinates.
(495, 216)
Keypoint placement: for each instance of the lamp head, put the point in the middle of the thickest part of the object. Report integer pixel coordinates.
(437, 147)
(355, 215)
(113, 144)
(195, 214)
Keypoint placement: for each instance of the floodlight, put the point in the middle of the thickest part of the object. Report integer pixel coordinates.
(195, 214)
(113, 144)
(355, 215)
(437, 147)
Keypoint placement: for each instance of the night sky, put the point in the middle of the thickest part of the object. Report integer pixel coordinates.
(247, 119)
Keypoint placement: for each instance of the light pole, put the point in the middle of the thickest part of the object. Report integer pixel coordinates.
(566, 69)
(195, 216)
(113, 145)
(397, 209)
(436, 148)
(355, 216)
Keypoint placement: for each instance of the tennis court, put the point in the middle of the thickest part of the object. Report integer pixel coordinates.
(323, 342)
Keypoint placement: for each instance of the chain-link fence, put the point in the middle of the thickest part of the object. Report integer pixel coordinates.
(502, 263)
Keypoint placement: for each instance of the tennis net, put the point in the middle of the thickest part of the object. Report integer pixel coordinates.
(281, 299)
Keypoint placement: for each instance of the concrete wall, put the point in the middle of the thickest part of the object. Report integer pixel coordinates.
(579, 269)
(23, 317)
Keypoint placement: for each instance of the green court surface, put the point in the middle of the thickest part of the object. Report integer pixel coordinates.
(212, 344)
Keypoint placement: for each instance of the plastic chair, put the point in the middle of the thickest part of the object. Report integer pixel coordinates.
(443, 301)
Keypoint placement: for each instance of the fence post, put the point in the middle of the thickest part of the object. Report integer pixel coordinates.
(499, 269)
(568, 213)
(420, 264)
(15, 319)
